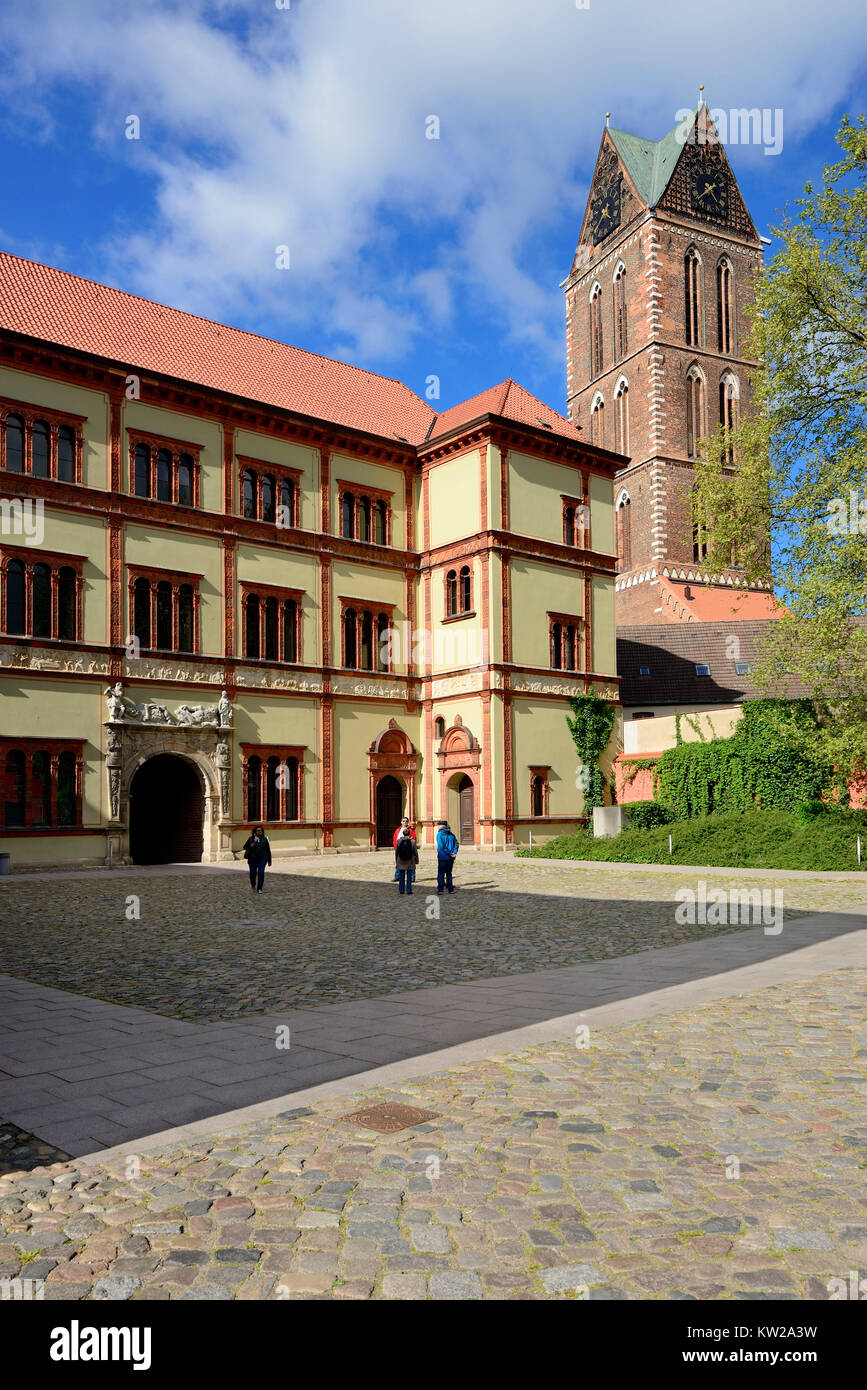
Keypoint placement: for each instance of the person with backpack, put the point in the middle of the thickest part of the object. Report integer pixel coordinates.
(257, 852)
(402, 829)
(405, 860)
(447, 853)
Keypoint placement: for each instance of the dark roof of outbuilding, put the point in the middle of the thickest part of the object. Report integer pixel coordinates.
(672, 651)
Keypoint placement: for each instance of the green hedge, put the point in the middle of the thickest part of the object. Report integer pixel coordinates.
(757, 766)
(752, 839)
(644, 815)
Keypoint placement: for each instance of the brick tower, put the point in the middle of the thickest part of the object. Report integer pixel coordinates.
(655, 326)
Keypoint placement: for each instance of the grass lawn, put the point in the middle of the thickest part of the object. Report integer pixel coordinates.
(754, 840)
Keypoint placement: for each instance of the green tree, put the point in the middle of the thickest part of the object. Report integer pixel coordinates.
(801, 458)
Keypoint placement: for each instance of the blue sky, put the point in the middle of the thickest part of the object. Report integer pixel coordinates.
(306, 127)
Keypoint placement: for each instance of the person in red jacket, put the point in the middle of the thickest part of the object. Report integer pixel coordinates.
(404, 826)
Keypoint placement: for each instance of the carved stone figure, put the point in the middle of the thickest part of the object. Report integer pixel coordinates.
(224, 706)
(114, 791)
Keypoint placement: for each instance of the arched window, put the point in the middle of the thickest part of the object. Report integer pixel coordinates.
(366, 662)
(439, 728)
(621, 417)
(41, 601)
(41, 450)
(728, 414)
(597, 423)
(291, 783)
(466, 589)
(142, 611)
(14, 793)
(364, 518)
(66, 798)
(185, 618)
(272, 790)
(272, 650)
(699, 533)
(142, 460)
(382, 642)
(254, 789)
(66, 603)
(692, 296)
(451, 593)
(248, 490)
(185, 480)
(164, 615)
(537, 797)
(349, 644)
(40, 788)
(290, 630)
(724, 305)
(251, 624)
(288, 495)
(15, 605)
(268, 499)
(694, 411)
(164, 476)
(620, 327)
(596, 330)
(557, 647)
(65, 454)
(380, 535)
(623, 529)
(14, 444)
(347, 516)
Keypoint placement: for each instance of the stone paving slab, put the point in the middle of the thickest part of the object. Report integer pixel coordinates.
(202, 947)
(716, 1152)
(79, 1097)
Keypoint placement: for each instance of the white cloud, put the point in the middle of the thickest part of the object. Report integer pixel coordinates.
(306, 127)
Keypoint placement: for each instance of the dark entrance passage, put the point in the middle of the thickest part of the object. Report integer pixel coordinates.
(389, 809)
(468, 820)
(166, 812)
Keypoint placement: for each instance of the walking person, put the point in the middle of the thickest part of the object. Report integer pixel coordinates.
(257, 852)
(447, 853)
(405, 860)
(402, 829)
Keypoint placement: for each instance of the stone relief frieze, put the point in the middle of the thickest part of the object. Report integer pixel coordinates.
(45, 659)
(257, 679)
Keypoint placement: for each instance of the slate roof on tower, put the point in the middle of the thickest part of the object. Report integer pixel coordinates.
(651, 163)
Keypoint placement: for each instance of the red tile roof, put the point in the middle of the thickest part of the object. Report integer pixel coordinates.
(40, 302)
(512, 402)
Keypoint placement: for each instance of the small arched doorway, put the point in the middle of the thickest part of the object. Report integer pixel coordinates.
(166, 812)
(389, 809)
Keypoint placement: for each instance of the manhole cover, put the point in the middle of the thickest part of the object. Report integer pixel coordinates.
(389, 1117)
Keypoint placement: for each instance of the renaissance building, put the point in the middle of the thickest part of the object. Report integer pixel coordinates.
(243, 583)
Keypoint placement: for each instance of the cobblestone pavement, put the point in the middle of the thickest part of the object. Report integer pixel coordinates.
(19, 1149)
(714, 1153)
(205, 947)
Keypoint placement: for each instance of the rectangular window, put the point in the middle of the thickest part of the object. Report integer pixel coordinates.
(272, 623)
(42, 781)
(364, 513)
(43, 443)
(163, 610)
(41, 594)
(564, 633)
(166, 470)
(273, 780)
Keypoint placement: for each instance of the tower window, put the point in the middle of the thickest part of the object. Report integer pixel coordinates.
(694, 411)
(724, 306)
(621, 418)
(597, 423)
(620, 327)
(728, 415)
(692, 296)
(623, 534)
(596, 362)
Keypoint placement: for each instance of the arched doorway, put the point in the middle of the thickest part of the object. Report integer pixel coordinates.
(389, 809)
(166, 812)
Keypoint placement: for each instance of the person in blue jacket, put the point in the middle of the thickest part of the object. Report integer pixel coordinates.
(447, 850)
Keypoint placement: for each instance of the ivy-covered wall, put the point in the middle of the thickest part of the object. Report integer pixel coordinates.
(757, 765)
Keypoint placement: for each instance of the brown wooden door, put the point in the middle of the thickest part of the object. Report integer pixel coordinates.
(466, 791)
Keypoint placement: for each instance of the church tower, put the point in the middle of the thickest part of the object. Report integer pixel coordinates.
(655, 330)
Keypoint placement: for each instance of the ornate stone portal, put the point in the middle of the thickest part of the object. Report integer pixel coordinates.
(200, 734)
